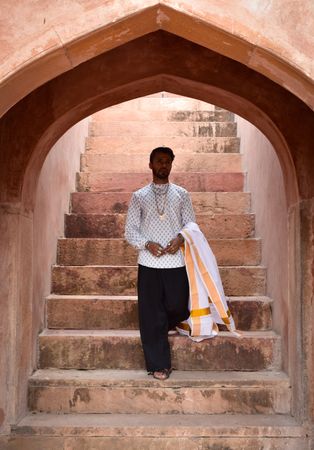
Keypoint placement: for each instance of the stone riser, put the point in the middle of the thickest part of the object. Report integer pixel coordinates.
(111, 280)
(155, 401)
(203, 202)
(179, 145)
(125, 115)
(158, 432)
(30, 442)
(126, 182)
(163, 129)
(122, 350)
(114, 252)
(211, 162)
(140, 396)
(86, 313)
(215, 226)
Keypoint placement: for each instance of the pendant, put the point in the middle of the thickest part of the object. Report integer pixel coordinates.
(162, 216)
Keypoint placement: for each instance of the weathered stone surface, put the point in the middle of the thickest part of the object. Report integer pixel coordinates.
(30, 442)
(158, 431)
(214, 226)
(180, 145)
(133, 392)
(95, 225)
(199, 162)
(115, 280)
(162, 114)
(163, 129)
(99, 251)
(122, 349)
(193, 182)
(120, 312)
(203, 202)
(47, 441)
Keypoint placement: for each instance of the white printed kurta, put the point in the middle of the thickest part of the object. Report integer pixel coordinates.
(144, 224)
(207, 303)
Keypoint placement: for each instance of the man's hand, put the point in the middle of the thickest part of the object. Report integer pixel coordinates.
(174, 245)
(154, 248)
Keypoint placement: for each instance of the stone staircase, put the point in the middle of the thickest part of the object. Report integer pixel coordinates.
(91, 390)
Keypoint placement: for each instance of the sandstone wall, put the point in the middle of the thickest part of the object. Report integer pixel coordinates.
(265, 182)
(56, 181)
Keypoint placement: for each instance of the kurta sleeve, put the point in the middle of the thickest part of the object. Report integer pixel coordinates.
(187, 210)
(132, 227)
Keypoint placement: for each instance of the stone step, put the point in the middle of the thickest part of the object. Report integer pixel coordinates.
(126, 182)
(158, 432)
(88, 312)
(121, 349)
(134, 392)
(137, 162)
(203, 202)
(163, 115)
(123, 144)
(121, 280)
(214, 226)
(114, 252)
(163, 129)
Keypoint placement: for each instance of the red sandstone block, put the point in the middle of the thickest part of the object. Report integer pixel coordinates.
(122, 350)
(120, 312)
(221, 226)
(115, 280)
(85, 251)
(155, 431)
(192, 181)
(203, 202)
(180, 145)
(132, 392)
(162, 129)
(210, 162)
(125, 115)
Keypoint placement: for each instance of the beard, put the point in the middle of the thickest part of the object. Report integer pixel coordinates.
(162, 174)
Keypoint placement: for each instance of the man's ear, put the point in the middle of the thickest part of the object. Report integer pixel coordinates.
(150, 165)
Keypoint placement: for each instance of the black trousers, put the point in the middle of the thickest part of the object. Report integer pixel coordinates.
(163, 296)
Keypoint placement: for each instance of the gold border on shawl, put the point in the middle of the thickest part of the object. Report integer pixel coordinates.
(214, 293)
(200, 312)
(193, 290)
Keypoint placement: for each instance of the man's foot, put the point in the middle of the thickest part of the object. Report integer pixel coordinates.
(172, 332)
(161, 374)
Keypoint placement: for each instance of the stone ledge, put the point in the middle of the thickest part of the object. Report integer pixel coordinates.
(198, 162)
(192, 181)
(121, 280)
(116, 251)
(159, 425)
(110, 312)
(221, 226)
(131, 392)
(121, 349)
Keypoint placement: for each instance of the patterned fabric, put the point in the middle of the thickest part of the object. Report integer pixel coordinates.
(144, 224)
(207, 303)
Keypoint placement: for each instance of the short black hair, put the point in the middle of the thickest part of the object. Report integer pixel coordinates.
(166, 150)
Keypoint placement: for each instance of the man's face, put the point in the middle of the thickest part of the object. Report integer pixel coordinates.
(161, 165)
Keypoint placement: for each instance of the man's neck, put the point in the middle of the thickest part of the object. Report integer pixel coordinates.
(159, 181)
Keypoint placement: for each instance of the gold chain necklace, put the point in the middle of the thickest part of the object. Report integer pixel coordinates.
(161, 212)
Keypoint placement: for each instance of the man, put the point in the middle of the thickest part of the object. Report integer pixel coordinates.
(157, 213)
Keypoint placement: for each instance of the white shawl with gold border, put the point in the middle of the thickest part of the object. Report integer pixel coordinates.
(207, 303)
